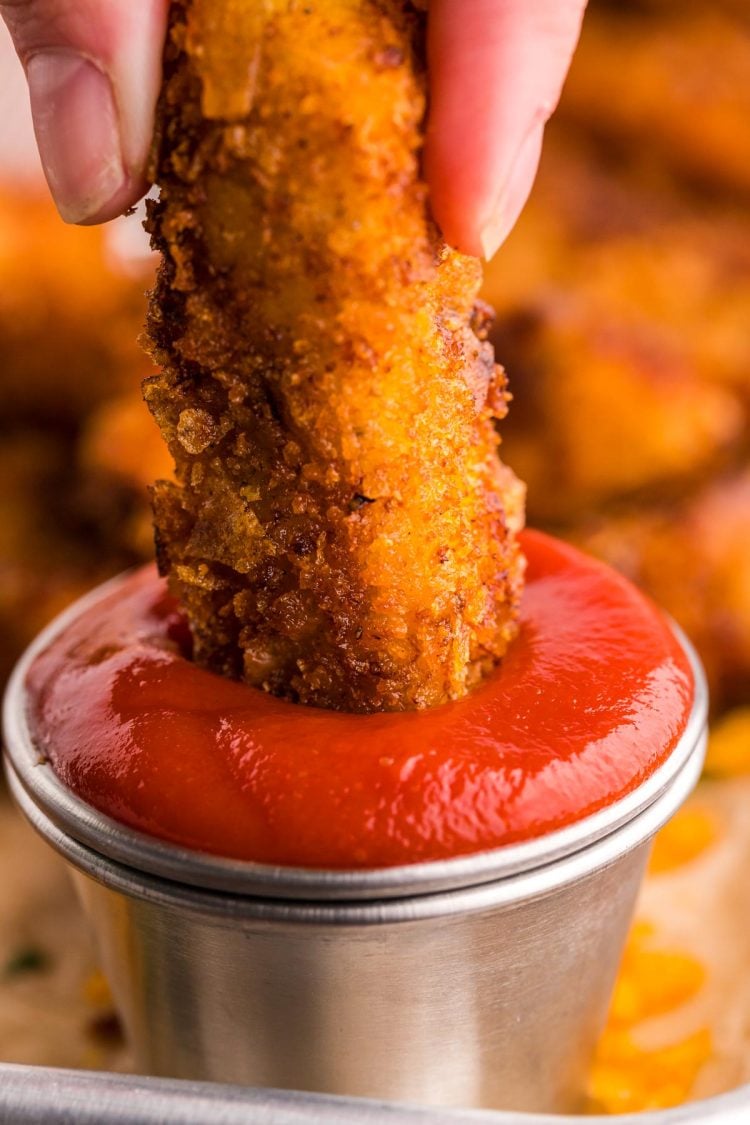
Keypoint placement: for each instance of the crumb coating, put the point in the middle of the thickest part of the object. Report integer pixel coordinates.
(341, 531)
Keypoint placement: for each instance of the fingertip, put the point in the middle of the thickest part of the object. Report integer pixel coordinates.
(461, 152)
(75, 122)
(124, 199)
(136, 63)
(94, 79)
(496, 72)
(499, 222)
(447, 197)
(482, 232)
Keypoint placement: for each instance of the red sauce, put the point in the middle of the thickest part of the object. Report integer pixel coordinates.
(591, 698)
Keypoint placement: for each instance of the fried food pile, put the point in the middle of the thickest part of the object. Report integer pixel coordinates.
(675, 86)
(69, 319)
(341, 531)
(623, 299)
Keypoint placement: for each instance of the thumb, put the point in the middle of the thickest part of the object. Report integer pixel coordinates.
(93, 69)
(496, 71)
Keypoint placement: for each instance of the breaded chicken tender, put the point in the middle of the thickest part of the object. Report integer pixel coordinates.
(49, 551)
(608, 407)
(675, 90)
(622, 314)
(69, 316)
(623, 318)
(342, 532)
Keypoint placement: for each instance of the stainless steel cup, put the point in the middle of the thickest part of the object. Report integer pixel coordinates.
(481, 981)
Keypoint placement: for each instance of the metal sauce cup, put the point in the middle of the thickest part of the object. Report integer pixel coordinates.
(481, 981)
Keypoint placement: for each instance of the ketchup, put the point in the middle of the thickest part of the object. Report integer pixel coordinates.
(590, 699)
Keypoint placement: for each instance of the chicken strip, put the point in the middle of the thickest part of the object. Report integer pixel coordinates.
(341, 531)
(609, 407)
(674, 91)
(694, 559)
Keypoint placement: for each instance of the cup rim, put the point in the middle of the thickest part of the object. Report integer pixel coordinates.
(113, 841)
(243, 905)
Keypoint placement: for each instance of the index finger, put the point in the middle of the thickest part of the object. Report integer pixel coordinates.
(496, 72)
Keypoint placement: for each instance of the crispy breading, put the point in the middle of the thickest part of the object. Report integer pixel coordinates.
(342, 532)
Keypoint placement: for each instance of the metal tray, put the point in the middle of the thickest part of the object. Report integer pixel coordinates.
(32, 1095)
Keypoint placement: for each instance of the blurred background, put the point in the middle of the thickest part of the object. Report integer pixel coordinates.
(623, 318)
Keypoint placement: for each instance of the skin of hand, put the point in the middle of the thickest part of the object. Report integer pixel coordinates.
(496, 71)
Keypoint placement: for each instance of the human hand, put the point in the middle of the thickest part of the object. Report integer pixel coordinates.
(94, 70)
(496, 71)
(497, 68)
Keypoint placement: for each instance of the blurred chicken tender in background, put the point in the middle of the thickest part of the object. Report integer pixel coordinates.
(623, 301)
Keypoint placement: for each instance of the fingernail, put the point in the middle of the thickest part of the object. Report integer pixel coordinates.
(76, 128)
(513, 195)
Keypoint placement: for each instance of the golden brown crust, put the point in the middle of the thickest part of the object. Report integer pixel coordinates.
(69, 317)
(608, 408)
(342, 532)
(622, 315)
(693, 558)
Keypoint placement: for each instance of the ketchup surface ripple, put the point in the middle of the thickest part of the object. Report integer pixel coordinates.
(591, 698)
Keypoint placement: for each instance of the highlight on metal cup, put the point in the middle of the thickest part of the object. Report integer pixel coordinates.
(481, 981)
